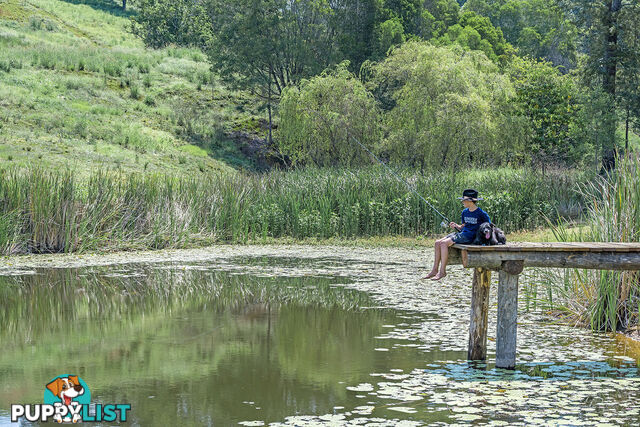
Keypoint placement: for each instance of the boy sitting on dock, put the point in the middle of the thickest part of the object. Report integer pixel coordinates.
(472, 216)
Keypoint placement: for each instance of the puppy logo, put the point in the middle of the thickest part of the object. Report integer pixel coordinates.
(67, 399)
(70, 391)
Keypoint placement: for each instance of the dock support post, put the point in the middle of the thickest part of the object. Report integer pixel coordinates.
(506, 328)
(479, 314)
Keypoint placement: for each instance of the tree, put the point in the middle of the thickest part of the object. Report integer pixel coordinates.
(445, 12)
(538, 28)
(163, 22)
(451, 108)
(586, 125)
(319, 120)
(477, 33)
(548, 100)
(406, 12)
(353, 25)
(423, 19)
(388, 34)
(606, 27)
(267, 45)
(628, 92)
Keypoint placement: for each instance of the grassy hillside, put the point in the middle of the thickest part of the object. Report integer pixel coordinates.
(78, 89)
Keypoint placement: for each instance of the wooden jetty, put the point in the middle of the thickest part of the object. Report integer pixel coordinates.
(509, 260)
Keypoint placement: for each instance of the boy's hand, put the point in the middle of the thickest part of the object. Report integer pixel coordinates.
(454, 225)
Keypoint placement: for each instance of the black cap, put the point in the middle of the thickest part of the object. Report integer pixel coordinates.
(470, 194)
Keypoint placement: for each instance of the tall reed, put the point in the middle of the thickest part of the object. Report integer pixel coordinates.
(603, 300)
(53, 211)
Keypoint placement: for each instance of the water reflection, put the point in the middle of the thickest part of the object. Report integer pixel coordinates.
(191, 346)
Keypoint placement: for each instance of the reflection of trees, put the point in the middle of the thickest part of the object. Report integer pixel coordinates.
(315, 345)
(187, 335)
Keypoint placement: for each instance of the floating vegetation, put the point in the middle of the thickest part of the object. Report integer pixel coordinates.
(309, 324)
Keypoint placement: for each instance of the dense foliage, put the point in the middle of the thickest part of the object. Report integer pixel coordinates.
(538, 28)
(548, 101)
(521, 81)
(452, 108)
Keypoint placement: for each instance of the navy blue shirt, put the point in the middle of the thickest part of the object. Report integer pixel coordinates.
(472, 221)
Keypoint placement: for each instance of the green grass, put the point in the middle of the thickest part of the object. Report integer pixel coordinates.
(57, 211)
(78, 90)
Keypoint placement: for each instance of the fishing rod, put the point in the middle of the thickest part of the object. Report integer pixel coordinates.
(444, 223)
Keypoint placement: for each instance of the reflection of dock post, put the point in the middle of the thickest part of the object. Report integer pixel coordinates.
(506, 329)
(479, 314)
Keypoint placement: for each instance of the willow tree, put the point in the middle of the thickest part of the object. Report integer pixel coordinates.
(323, 121)
(452, 108)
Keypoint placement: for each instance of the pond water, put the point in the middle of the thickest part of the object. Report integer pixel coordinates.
(294, 336)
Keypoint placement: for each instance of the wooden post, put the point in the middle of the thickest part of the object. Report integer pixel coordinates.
(506, 329)
(479, 314)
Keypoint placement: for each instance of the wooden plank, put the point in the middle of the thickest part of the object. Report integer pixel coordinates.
(584, 246)
(555, 247)
(578, 259)
(479, 314)
(455, 256)
(622, 247)
(506, 328)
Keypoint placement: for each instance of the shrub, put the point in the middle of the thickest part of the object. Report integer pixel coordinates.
(143, 68)
(5, 65)
(134, 91)
(113, 69)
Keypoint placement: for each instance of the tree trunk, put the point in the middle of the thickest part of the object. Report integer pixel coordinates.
(124, 4)
(610, 61)
(610, 21)
(269, 108)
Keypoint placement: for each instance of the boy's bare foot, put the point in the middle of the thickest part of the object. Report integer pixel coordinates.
(438, 276)
(430, 275)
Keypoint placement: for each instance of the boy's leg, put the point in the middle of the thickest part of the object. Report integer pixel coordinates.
(436, 259)
(444, 258)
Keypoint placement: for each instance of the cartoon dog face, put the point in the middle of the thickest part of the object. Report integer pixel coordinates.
(66, 388)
